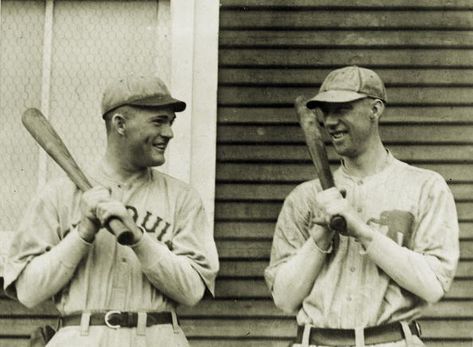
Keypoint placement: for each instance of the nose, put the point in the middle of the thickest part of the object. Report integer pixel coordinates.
(166, 131)
(330, 119)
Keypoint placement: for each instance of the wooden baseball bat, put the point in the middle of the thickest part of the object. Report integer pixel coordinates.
(313, 138)
(43, 132)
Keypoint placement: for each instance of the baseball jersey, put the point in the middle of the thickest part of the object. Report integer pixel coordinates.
(174, 259)
(411, 206)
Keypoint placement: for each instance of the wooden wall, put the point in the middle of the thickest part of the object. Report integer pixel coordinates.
(272, 51)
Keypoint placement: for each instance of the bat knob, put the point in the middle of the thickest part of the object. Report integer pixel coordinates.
(339, 224)
(125, 238)
(121, 231)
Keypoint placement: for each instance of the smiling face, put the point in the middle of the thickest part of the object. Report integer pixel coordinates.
(350, 125)
(146, 133)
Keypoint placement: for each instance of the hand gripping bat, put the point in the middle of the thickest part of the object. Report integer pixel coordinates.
(42, 131)
(313, 138)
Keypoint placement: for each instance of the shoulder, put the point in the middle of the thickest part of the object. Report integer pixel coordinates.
(58, 189)
(174, 186)
(159, 177)
(419, 177)
(303, 195)
(306, 189)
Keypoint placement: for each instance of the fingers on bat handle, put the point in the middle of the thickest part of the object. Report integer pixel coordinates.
(123, 233)
(339, 224)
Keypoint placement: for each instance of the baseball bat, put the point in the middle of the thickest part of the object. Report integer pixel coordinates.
(318, 153)
(45, 135)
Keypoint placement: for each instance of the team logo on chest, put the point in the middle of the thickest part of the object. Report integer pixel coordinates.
(395, 224)
(152, 223)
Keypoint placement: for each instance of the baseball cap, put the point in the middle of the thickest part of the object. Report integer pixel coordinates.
(349, 84)
(144, 91)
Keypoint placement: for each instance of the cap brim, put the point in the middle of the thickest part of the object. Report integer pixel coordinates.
(334, 96)
(159, 101)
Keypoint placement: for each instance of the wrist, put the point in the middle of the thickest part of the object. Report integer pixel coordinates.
(364, 235)
(138, 232)
(87, 230)
(323, 243)
(85, 233)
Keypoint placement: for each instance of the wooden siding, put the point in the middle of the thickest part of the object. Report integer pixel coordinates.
(270, 52)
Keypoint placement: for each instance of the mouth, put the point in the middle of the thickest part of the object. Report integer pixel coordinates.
(160, 146)
(338, 135)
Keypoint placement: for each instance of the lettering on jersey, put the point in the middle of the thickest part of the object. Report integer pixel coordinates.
(153, 224)
(395, 224)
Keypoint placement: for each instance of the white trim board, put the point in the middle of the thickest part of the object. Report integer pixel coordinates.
(194, 74)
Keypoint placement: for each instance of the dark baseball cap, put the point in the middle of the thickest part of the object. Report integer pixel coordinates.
(144, 91)
(349, 84)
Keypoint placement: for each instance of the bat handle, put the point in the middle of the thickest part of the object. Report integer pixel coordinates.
(123, 233)
(339, 224)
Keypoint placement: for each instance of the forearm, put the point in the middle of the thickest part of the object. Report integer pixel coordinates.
(48, 273)
(295, 278)
(407, 268)
(172, 274)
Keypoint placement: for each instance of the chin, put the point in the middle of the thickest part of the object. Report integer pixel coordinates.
(159, 161)
(151, 162)
(346, 152)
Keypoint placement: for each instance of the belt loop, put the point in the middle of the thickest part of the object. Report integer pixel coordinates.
(175, 323)
(360, 337)
(84, 323)
(141, 324)
(407, 332)
(306, 335)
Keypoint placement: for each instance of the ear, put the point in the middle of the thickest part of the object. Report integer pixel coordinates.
(377, 109)
(119, 123)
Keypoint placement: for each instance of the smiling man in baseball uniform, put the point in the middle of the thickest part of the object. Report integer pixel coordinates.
(109, 294)
(400, 251)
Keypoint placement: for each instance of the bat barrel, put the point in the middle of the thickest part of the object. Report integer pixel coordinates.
(45, 135)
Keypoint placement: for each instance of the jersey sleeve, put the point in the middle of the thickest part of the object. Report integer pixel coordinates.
(436, 234)
(193, 238)
(38, 233)
(292, 227)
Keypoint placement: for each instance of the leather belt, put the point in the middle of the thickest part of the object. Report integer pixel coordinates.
(118, 319)
(346, 337)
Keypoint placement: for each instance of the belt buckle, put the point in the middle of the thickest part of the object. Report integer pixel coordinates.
(107, 317)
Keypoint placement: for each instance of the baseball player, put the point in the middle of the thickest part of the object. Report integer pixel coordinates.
(400, 251)
(109, 294)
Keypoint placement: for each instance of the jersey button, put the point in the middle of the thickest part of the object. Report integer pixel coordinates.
(123, 260)
(352, 269)
(349, 298)
(359, 209)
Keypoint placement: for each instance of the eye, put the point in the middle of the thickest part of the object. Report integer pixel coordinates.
(159, 120)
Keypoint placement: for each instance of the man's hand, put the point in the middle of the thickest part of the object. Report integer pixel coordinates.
(113, 208)
(332, 203)
(320, 233)
(97, 208)
(89, 223)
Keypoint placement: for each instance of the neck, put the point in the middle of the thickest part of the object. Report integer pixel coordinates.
(117, 166)
(370, 162)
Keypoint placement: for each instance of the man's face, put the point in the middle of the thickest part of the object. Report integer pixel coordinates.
(349, 125)
(148, 132)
